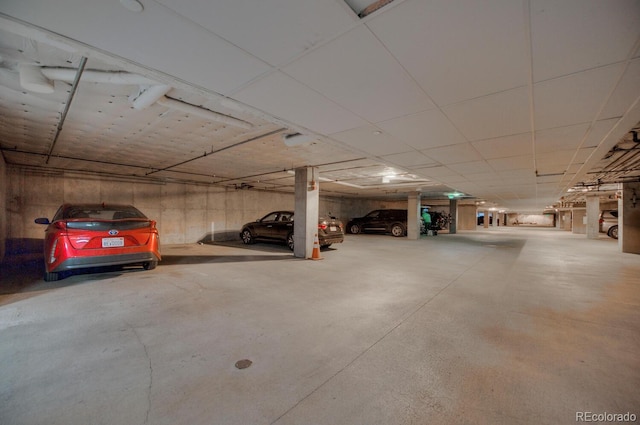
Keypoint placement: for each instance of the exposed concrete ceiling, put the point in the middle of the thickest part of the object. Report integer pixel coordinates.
(511, 102)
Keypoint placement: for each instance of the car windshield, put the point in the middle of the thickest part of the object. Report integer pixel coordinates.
(99, 212)
(373, 214)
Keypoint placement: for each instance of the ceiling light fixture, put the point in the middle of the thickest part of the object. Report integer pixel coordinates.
(297, 139)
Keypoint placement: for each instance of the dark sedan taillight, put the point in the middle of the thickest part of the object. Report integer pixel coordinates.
(322, 226)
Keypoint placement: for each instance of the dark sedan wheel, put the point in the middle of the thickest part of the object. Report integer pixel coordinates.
(290, 241)
(355, 229)
(397, 230)
(613, 232)
(247, 237)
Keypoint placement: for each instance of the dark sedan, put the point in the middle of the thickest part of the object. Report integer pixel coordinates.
(278, 226)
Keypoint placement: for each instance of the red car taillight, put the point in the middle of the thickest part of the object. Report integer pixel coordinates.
(52, 254)
(322, 226)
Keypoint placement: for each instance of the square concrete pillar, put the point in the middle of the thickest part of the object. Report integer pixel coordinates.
(593, 216)
(307, 203)
(453, 211)
(629, 218)
(486, 219)
(413, 216)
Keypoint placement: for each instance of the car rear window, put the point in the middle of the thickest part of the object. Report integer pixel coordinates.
(99, 212)
(614, 213)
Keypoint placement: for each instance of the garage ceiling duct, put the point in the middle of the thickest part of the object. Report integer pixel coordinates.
(39, 79)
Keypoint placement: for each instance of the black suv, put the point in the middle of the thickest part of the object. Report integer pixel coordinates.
(386, 221)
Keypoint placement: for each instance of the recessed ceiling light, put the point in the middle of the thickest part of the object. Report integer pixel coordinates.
(377, 133)
(132, 5)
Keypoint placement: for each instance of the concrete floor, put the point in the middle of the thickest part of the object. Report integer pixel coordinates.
(499, 326)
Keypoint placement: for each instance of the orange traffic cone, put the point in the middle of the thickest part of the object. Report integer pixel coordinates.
(315, 255)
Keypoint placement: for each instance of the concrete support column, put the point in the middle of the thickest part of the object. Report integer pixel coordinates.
(453, 210)
(307, 202)
(413, 216)
(593, 216)
(629, 218)
(486, 219)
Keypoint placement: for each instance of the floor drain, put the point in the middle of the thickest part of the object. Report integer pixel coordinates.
(243, 364)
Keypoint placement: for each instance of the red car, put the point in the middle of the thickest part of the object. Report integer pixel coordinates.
(95, 235)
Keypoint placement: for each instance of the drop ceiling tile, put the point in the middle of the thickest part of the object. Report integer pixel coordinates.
(593, 33)
(521, 162)
(625, 93)
(274, 31)
(453, 154)
(562, 138)
(574, 99)
(435, 172)
(457, 50)
(504, 147)
(409, 159)
(358, 73)
(428, 129)
(473, 167)
(283, 97)
(497, 115)
(598, 133)
(365, 140)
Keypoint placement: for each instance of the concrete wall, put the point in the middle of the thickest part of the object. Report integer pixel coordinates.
(184, 213)
(578, 224)
(467, 217)
(629, 233)
(3, 207)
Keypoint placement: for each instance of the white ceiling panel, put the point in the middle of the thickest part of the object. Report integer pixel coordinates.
(358, 73)
(428, 129)
(469, 168)
(453, 154)
(272, 30)
(435, 172)
(449, 48)
(593, 33)
(285, 98)
(504, 147)
(574, 99)
(498, 115)
(599, 132)
(409, 159)
(626, 93)
(561, 138)
(522, 162)
(371, 139)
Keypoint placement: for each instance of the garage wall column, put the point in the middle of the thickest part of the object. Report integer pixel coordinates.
(453, 211)
(593, 216)
(307, 202)
(4, 181)
(413, 216)
(485, 224)
(629, 218)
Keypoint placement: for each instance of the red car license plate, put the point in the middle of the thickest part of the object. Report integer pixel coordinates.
(112, 242)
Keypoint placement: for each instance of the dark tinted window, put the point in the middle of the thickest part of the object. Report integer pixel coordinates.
(614, 213)
(100, 212)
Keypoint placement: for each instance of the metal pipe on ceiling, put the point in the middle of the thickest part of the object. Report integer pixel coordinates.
(72, 92)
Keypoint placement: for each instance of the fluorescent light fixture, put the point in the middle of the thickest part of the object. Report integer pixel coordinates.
(297, 139)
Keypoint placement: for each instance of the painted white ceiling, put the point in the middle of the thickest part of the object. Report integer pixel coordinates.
(512, 102)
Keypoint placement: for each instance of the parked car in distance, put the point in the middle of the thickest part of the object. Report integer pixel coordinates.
(392, 221)
(278, 226)
(95, 235)
(609, 223)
